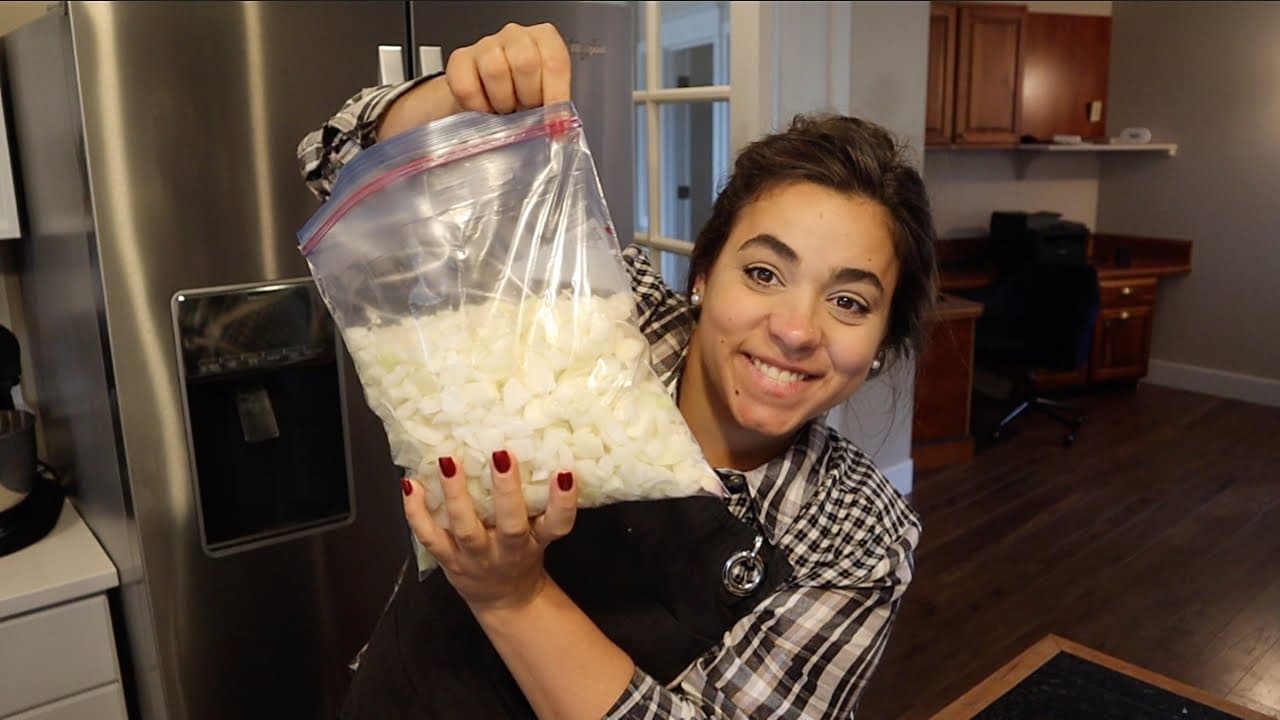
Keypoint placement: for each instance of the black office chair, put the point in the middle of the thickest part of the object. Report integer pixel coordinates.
(1037, 316)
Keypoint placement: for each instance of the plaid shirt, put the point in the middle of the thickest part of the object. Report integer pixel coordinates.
(808, 649)
(324, 151)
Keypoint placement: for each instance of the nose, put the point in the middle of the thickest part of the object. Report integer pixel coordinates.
(794, 327)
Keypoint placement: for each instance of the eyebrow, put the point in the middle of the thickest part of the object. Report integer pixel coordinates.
(838, 277)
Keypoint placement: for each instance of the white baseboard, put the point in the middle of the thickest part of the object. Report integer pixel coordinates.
(1250, 388)
(901, 475)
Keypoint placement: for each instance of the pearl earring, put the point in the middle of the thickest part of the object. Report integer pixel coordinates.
(876, 365)
(695, 298)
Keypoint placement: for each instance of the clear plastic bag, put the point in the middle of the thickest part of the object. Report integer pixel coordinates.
(473, 271)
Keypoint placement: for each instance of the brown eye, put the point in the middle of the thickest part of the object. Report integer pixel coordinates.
(851, 304)
(761, 275)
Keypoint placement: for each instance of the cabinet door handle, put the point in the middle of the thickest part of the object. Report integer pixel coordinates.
(1126, 290)
(1124, 315)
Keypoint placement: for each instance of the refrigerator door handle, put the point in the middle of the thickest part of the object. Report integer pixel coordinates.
(390, 64)
(430, 60)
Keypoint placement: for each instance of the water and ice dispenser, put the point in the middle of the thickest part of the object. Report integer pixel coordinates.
(262, 393)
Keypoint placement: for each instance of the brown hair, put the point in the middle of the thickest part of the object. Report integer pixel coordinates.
(852, 156)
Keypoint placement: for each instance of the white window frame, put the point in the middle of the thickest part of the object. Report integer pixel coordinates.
(751, 28)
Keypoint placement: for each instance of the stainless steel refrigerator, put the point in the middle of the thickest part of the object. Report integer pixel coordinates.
(189, 384)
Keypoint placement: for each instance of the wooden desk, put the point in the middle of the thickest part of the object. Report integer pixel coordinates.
(1122, 337)
(966, 263)
(944, 383)
(966, 277)
(1121, 341)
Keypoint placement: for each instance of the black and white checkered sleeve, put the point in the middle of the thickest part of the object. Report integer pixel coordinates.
(664, 315)
(324, 151)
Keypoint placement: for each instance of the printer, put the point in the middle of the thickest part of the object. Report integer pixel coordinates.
(1019, 238)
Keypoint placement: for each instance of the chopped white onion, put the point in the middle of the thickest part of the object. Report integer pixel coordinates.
(564, 385)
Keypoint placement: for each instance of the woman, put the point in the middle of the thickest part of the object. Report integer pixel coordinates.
(815, 269)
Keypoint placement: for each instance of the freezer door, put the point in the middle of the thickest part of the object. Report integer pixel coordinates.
(601, 39)
(183, 176)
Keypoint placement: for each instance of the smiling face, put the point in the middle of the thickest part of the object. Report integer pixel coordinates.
(794, 311)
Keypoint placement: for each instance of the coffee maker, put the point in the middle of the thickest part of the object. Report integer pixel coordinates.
(30, 497)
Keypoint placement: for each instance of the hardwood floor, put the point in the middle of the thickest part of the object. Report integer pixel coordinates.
(1155, 539)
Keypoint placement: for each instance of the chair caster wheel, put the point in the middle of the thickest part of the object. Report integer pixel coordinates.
(1068, 440)
(1077, 422)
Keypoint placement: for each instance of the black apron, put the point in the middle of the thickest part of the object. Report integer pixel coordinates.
(650, 574)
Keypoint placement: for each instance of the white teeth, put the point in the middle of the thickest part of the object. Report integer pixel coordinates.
(776, 373)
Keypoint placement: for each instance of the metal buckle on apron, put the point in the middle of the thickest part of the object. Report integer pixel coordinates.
(744, 570)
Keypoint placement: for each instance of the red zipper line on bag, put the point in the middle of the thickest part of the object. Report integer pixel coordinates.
(552, 128)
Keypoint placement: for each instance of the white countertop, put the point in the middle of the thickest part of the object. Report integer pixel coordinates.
(66, 564)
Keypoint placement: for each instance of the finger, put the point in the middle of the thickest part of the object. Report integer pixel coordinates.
(495, 73)
(511, 514)
(556, 73)
(424, 527)
(562, 510)
(465, 525)
(464, 81)
(525, 62)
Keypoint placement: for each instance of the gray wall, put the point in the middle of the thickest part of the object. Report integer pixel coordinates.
(869, 60)
(967, 185)
(1207, 76)
(889, 71)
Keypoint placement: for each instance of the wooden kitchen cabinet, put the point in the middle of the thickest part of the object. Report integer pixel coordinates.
(1121, 346)
(998, 73)
(1064, 74)
(1122, 336)
(989, 73)
(944, 383)
(975, 71)
(1121, 342)
(940, 103)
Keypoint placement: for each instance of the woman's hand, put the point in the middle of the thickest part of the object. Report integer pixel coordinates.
(516, 68)
(565, 666)
(499, 567)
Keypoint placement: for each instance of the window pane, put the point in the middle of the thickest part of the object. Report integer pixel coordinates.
(675, 271)
(642, 171)
(637, 22)
(694, 161)
(695, 44)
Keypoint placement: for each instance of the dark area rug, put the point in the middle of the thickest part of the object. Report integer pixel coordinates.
(1067, 687)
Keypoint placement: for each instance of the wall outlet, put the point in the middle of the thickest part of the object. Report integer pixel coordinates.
(1095, 111)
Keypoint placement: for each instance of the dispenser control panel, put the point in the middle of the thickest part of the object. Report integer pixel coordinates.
(269, 326)
(262, 400)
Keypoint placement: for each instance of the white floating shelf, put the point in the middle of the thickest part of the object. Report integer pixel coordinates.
(1024, 153)
(1170, 149)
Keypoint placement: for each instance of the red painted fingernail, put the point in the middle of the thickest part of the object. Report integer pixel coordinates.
(565, 481)
(406, 486)
(447, 466)
(501, 461)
